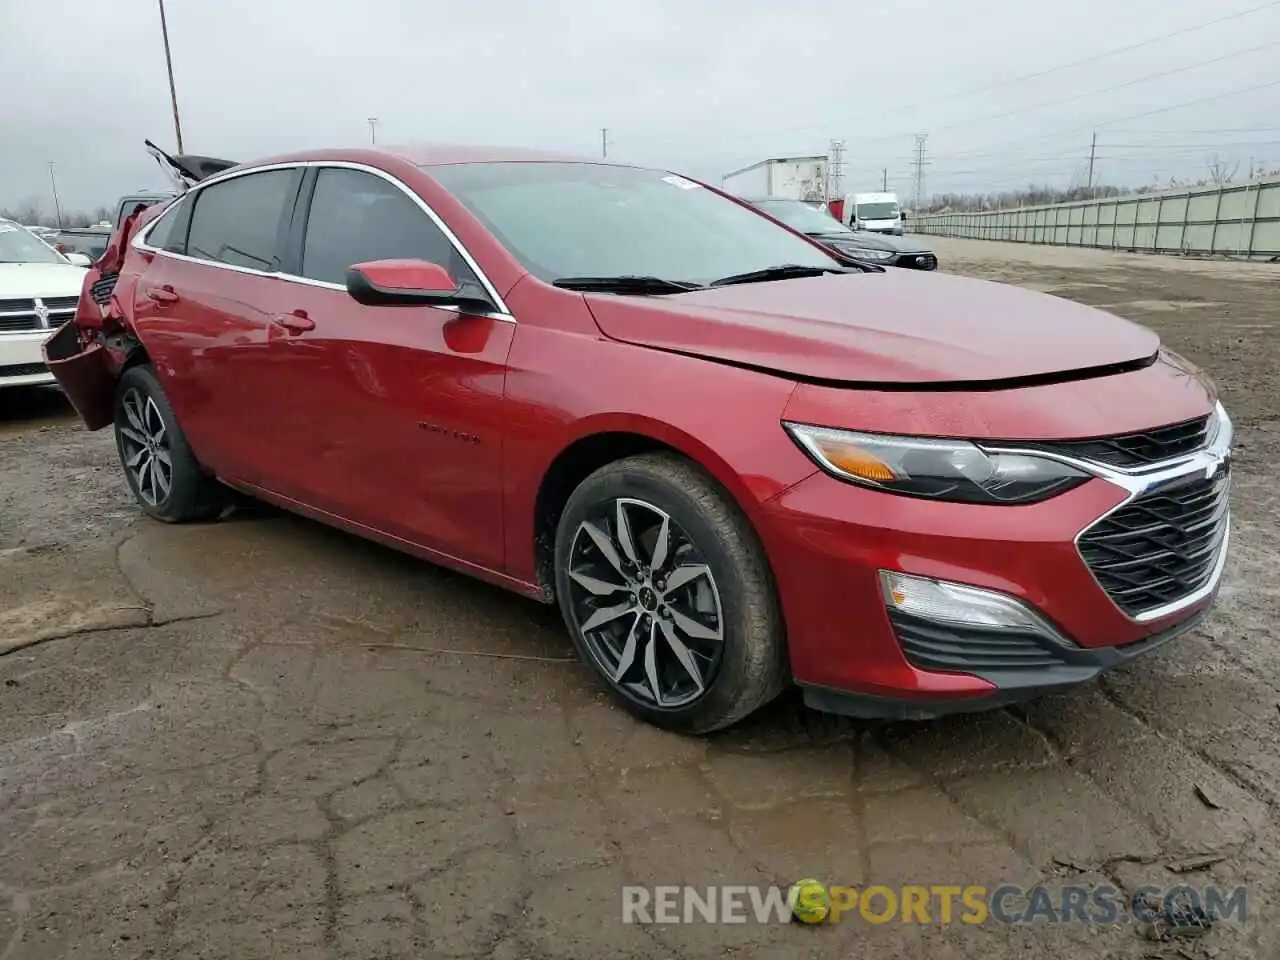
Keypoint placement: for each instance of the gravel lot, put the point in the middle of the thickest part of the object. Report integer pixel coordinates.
(264, 738)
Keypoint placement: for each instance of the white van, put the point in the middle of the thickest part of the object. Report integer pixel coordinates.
(877, 212)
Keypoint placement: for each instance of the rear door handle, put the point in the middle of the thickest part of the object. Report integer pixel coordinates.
(163, 294)
(296, 322)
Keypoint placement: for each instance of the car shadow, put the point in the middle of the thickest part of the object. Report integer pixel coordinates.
(27, 406)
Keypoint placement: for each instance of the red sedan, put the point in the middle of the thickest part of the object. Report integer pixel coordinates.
(734, 461)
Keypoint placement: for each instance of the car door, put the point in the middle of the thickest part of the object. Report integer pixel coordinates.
(392, 416)
(205, 305)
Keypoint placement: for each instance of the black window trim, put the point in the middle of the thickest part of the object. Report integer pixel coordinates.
(292, 224)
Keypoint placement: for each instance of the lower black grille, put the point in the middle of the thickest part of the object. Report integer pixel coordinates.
(1136, 449)
(930, 646)
(22, 370)
(1163, 546)
(923, 261)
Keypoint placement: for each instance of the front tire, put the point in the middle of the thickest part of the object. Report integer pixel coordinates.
(667, 594)
(161, 470)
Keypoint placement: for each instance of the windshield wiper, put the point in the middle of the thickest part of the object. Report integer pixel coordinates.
(786, 271)
(626, 284)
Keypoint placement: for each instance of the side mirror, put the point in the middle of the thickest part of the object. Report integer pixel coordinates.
(410, 283)
(79, 259)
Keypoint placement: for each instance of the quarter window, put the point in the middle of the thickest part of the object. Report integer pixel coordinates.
(357, 217)
(238, 222)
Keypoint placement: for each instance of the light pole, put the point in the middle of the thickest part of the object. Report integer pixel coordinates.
(57, 207)
(168, 62)
(373, 130)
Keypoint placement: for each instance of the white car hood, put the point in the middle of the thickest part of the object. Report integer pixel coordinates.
(22, 280)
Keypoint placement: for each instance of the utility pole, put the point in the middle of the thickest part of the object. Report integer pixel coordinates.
(373, 130)
(919, 163)
(1093, 152)
(835, 170)
(604, 142)
(884, 180)
(168, 62)
(57, 207)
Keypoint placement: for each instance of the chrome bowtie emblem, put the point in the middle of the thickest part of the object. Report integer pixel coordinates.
(42, 312)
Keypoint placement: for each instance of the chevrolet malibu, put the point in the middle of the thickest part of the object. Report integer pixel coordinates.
(733, 461)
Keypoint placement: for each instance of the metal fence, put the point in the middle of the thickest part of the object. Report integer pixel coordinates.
(1238, 220)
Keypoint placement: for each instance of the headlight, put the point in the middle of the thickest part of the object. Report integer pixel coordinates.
(936, 469)
(1220, 431)
(866, 253)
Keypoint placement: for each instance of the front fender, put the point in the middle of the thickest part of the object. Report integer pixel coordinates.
(726, 419)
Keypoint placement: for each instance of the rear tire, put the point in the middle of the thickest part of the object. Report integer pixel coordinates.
(666, 592)
(163, 473)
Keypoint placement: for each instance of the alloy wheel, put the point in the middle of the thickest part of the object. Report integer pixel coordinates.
(144, 441)
(646, 603)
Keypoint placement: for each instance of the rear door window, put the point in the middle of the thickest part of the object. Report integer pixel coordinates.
(357, 217)
(240, 222)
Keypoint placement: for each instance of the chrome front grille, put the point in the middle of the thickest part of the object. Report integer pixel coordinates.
(1135, 450)
(28, 315)
(1162, 546)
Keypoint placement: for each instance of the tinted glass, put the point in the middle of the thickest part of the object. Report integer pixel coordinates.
(357, 217)
(802, 216)
(596, 220)
(170, 233)
(238, 222)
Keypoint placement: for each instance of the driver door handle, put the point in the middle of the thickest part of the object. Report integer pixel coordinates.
(296, 322)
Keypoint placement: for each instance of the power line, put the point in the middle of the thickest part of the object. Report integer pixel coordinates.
(1058, 135)
(1093, 93)
(1115, 51)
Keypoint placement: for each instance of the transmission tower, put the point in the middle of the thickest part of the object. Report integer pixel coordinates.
(835, 170)
(919, 163)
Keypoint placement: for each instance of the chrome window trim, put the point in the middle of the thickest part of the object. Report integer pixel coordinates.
(1208, 460)
(139, 242)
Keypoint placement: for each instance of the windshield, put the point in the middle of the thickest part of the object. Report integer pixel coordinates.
(802, 216)
(877, 211)
(22, 246)
(593, 220)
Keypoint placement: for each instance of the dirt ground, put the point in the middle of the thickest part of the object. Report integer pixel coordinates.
(264, 738)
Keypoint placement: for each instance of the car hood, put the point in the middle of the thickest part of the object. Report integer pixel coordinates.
(887, 328)
(23, 280)
(876, 241)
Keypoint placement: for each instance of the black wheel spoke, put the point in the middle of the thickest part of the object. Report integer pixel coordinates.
(645, 603)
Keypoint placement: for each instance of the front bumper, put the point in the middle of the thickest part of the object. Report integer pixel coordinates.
(1044, 668)
(851, 654)
(21, 361)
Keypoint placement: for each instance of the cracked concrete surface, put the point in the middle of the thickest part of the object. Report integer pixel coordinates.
(264, 738)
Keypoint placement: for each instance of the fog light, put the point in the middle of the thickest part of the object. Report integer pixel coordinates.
(955, 604)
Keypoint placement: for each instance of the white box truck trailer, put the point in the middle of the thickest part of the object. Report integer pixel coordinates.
(785, 178)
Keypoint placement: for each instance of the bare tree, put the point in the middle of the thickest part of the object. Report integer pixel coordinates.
(27, 212)
(1222, 172)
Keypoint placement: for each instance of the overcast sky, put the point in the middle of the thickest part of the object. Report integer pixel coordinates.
(701, 85)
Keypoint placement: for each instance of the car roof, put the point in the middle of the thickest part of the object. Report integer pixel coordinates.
(428, 155)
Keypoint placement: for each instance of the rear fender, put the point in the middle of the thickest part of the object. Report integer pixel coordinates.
(87, 354)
